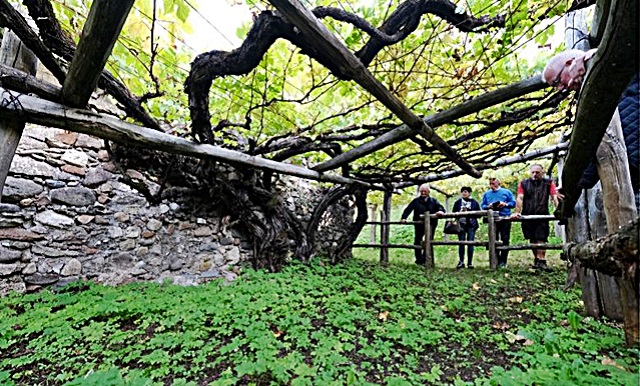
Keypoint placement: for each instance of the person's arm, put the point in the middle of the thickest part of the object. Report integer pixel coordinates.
(475, 205)
(439, 208)
(554, 194)
(518, 207)
(485, 203)
(407, 211)
(457, 205)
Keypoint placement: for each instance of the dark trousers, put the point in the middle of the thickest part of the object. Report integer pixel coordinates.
(503, 233)
(466, 235)
(421, 256)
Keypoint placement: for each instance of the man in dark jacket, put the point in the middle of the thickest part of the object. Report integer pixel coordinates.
(419, 206)
(533, 199)
(628, 107)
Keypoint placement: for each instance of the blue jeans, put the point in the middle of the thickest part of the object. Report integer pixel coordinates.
(467, 234)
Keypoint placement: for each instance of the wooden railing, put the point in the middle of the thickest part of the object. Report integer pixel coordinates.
(492, 244)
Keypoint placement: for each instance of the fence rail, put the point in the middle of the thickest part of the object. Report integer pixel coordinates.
(492, 245)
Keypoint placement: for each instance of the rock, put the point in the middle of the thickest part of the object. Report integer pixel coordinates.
(164, 209)
(72, 169)
(75, 196)
(30, 269)
(173, 206)
(19, 234)
(9, 256)
(52, 252)
(154, 224)
(16, 189)
(233, 256)
(226, 241)
(29, 167)
(211, 246)
(203, 231)
(66, 137)
(53, 219)
(101, 220)
(147, 234)
(122, 260)
(75, 158)
(84, 219)
(210, 274)
(132, 232)
(142, 251)
(176, 264)
(71, 268)
(200, 221)
(8, 269)
(9, 208)
(103, 155)
(10, 222)
(127, 245)
(41, 279)
(54, 184)
(134, 174)
(87, 141)
(96, 176)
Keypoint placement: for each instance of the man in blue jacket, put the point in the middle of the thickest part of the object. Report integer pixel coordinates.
(502, 200)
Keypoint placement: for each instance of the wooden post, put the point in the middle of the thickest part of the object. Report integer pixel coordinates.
(12, 53)
(99, 34)
(374, 209)
(491, 231)
(428, 247)
(446, 209)
(384, 237)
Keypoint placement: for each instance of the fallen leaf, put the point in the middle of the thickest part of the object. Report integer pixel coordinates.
(516, 299)
(383, 315)
(476, 286)
(610, 362)
(528, 342)
(277, 333)
(492, 281)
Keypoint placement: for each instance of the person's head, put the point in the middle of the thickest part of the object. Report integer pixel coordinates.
(424, 190)
(465, 191)
(494, 183)
(565, 71)
(536, 171)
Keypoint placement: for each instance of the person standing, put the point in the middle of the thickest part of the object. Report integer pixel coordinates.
(419, 206)
(468, 225)
(502, 200)
(533, 199)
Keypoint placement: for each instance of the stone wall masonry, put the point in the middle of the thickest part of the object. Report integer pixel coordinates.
(66, 215)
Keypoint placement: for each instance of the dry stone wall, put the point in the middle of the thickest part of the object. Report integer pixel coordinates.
(66, 214)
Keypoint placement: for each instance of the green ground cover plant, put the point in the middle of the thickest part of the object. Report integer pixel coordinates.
(354, 324)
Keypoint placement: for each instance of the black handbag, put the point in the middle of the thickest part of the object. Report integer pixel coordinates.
(452, 228)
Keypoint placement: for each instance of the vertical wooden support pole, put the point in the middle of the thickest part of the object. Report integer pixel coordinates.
(446, 209)
(374, 209)
(493, 255)
(12, 53)
(386, 216)
(428, 246)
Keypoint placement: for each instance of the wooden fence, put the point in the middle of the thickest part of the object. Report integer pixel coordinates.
(492, 245)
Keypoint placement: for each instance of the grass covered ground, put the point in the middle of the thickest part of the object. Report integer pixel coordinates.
(352, 324)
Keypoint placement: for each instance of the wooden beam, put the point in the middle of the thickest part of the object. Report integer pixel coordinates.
(99, 34)
(14, 53)
(14, 79)
(352, 68)
(503, 162)
(35, 110)
(403, 132)
(614, 64)
(13, 20)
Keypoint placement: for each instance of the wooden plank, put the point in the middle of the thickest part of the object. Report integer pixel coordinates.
(428, 246)
(46, 113)
(522, 247)
(14, 79)
(495, 165)
(352, 68)
(403, 132)
(99, 34)
(13, 53)
(385, 228)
